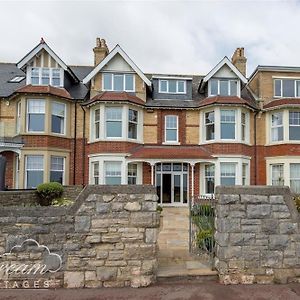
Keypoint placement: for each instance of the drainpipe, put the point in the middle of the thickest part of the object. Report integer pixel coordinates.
(75, 144)
(83, 145)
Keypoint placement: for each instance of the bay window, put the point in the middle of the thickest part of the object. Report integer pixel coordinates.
(277, 126)
(118, 82)
(34, 168)
(228, 124)
(36, 115)
(210, 125)
(113, 174)
(132, 123)
(277, 175)
(113, 122)
(228, 173)
(57, 167)
(171, 128)
(58, 118)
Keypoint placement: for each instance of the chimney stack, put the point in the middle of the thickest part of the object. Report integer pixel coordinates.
(100, 51)
(239, 60)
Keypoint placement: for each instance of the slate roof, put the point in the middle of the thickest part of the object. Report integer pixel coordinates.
(9, 70)
(115, 96)
(283, 102)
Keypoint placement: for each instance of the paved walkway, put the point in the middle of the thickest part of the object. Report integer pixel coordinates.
(179, 290)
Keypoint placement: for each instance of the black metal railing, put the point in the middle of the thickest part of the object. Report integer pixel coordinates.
(202, 227)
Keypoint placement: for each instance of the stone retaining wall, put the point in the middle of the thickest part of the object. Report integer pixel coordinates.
(257, 235)
(29, 197)
(107, 238)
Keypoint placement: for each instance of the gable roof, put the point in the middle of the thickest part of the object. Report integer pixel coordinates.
(43, 45)
(116, 50)
(225, 61)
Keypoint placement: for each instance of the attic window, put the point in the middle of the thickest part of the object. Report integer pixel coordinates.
(17, 79)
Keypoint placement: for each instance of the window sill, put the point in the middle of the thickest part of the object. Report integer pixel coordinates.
(171, 143)
(224, 142)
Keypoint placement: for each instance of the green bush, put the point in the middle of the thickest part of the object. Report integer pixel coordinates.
(49, 191)
(159, 208)
(297, 202)
(62, 202)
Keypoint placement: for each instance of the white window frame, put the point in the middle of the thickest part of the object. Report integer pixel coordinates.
(124, 82)
(177, 129)
(63, 170)
(217, 123)
(96, 177)
(26, 168)
(281, 86)
(61, 72)
(209, 124)
(114, 176)
(207, 177)
(227, 122)
(238, 87)
(27, 115)
(271, 172)
(19, 110)
(136, 123)
(114, 120)
(167, 81)
(97, 123)
(227, 176)
(129, 175)
(277, 127)
(65, 117)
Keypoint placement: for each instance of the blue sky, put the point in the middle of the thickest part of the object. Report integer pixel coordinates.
(187, 37)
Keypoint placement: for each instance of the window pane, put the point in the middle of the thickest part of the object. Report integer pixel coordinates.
(172, 86)
(171, 135)
(36, 122)
(277, 83)
(132, 173)
(132, 123)
(97, 123)
(277, 174)
(107, 82)
(163, 86)
(113, 173)
(129, 82)
(210, 126)
(294, 128)
(118, 82)
(209, 179)
(227, 124)
(224, 88)
(228, 173)
(35, 76)
(58, 118)
(214, 87)
(233, 88)
(297, 88)
(113, 121)
(45, 76)
(277, 119)
(288, 88)
(180, 86)
(171, 128)
(34, 178)
(171, 122)
(56, 77)
(277, 127)
(34, 170)
(295, 178)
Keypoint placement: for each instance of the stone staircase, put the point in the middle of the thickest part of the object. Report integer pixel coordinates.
(174, 259)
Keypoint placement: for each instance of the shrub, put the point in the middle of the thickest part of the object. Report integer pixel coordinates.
(297, 202)
(159, 208)
(49, 191)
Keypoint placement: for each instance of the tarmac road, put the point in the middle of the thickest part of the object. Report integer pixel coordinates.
(167, 291)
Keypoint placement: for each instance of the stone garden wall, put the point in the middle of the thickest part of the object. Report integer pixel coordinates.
(107, 238)
(257, 235)
(29, 197)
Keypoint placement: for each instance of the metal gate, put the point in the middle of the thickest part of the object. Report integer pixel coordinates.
(202, 228)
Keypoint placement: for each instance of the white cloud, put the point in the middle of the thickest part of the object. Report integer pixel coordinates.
(160, 36)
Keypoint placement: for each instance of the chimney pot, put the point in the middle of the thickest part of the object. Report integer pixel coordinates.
(239, 60)
(100, 51)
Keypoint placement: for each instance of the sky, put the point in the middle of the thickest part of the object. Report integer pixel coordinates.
(178, 37)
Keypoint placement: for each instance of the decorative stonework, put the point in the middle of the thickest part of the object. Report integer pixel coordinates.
(257, 235)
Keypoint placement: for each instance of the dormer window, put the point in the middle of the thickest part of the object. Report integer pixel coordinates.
(172, 86)
(223, 87)
(46, 76)
(287, 88)
(118, 82)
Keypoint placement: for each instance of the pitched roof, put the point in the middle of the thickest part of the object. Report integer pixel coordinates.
(115, 96)
(225, 100)
(37, 49)
(225, 61)
(44, 89)
(111, 54)
(283, 102)
(171, 152)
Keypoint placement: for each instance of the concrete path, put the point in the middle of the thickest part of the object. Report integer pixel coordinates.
(180, 290)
